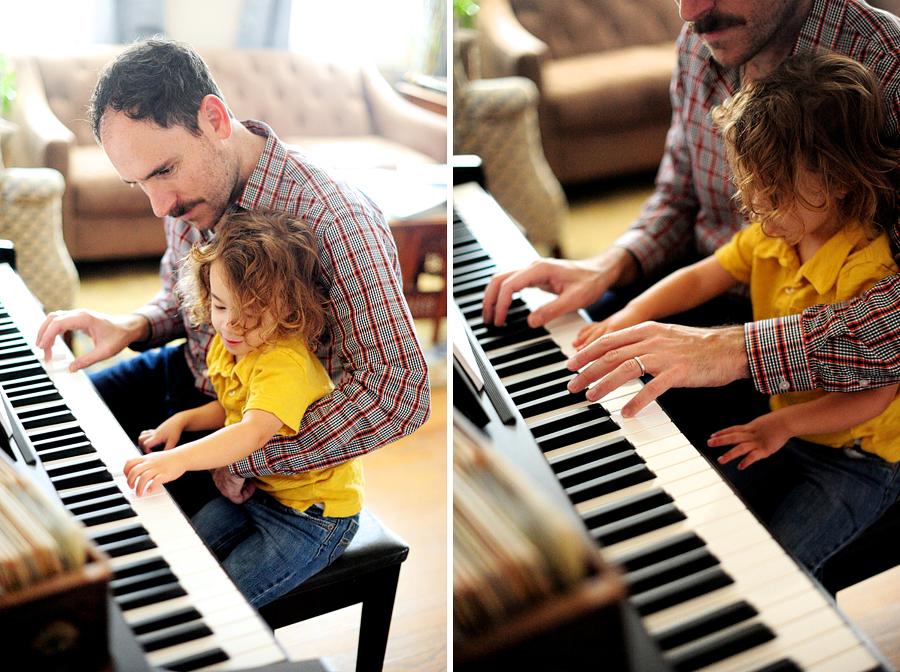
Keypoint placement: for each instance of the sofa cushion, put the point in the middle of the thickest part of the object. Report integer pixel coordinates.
(579, 27)
(611, 91)
(97, 190)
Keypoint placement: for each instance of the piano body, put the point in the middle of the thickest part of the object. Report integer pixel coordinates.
(171, 606)
(711, 588)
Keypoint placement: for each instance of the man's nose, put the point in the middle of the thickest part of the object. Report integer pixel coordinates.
(161, 200)
(691, 10)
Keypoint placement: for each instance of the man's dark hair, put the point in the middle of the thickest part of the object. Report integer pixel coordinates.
(161, 80)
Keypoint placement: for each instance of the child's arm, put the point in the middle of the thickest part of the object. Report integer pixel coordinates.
(208, 416)
(833, 412)
(684, 289)
(226, 446)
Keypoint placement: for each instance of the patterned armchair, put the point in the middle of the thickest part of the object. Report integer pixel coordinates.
(496, 119)
(31, 217)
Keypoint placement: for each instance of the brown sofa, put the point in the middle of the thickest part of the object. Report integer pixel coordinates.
(343, 115)
(602, 69)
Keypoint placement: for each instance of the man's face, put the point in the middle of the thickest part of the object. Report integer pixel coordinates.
(186, 176)
(737, 31)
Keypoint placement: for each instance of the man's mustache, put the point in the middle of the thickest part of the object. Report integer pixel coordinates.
(713, 22)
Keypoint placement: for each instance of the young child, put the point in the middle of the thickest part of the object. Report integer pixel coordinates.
(817, 182)
(256, 284)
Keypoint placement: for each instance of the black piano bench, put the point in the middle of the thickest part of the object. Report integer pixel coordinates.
(367, 572)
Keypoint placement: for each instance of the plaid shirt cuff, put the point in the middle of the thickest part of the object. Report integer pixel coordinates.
(778, 361)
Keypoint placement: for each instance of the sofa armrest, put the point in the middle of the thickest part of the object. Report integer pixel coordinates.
(505, 48)
(397, 119)
(42, 140)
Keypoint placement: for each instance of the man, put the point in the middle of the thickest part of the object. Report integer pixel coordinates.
(165, 127)
(691, 213)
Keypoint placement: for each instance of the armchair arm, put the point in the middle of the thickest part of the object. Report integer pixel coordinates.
(399, 120)
(506, 48)
(42, 139)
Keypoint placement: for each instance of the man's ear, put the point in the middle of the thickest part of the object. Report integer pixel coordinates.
(214, 112)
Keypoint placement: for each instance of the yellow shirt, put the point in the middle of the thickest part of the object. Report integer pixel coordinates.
(284, 380)
(843, 268)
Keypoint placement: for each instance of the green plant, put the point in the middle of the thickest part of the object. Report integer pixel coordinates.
(464, 11)
(7, 84)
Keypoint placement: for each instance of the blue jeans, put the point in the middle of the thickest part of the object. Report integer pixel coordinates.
(815, 499)
(269, 549)
(144, 391)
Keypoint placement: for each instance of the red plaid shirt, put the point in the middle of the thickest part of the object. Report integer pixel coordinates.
(842, 347)
(370, 348)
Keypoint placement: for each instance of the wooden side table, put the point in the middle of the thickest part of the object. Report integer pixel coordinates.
(422, 246)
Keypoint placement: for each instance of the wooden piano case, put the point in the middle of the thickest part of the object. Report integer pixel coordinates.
(59, 625)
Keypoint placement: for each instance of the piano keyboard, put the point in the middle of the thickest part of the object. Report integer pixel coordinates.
(183, 609)
(714, 590)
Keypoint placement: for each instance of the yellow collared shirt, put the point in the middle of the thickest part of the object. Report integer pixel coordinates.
(843, 268)
(284, 380)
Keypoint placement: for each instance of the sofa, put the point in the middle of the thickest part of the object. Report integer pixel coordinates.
(602, 69)
(343, 115)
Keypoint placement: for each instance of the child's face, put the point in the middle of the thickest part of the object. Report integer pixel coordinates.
(227, 318)
(811, 214)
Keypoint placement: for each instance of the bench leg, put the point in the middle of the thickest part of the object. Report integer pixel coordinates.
(375, 623)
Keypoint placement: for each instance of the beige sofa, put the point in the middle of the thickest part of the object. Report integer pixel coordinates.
(343, 115)
(602, 69)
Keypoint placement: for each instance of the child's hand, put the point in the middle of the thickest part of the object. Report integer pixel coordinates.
(146, 474)
(758, 439)
(618, 320)
(167, 435)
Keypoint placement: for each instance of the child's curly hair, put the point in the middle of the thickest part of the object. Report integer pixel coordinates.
(821, 112)
(270, 262)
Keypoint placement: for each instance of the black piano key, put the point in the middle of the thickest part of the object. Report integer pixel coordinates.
(47, 418)
(196, 661)
(93, 492)
(599, 467)
(107, 515)
(138, 567)
(75, 450)
(154, 595)
(98, 503)
(597, 428)
(659, 551)
(123, 541)
(530, 364)
(21, 371)
(36, 397)
(72, 475)
(497, 339)
(538, 347)
(471, 257)
(15, 350)
(537, 380)
(611, 483)
(680, 591)
(156, 578)
(705, 624)
(587, 454)
(166, 620)
(542, 391)
(783, 665)
(471, 287)
(669, 571)
(556, 403)
(640, 523)
(720, 647)
(177, 634)
(58, 438)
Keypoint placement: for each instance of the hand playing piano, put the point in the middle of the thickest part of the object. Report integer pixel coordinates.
(147, 473)
(578, 284)
(110, 333)
(758, 439)
(676, 356)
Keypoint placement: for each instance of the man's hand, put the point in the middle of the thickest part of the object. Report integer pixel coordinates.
(111, 334)
(232, 487)
(578, 284)
(676, 356)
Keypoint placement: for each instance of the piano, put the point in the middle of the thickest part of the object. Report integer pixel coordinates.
(712, 589)
(170, 599)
